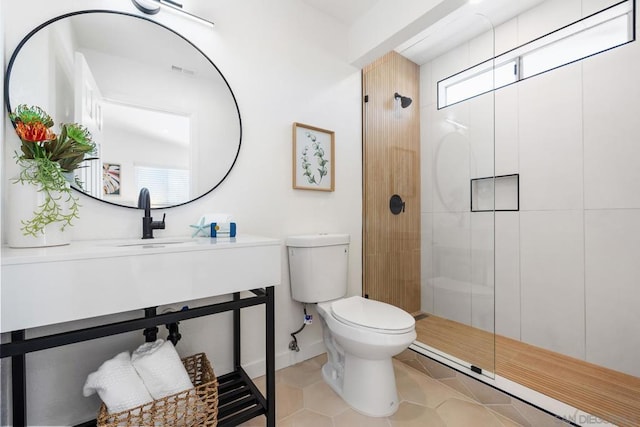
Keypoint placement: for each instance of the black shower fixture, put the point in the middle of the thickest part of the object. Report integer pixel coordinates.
(405, 101)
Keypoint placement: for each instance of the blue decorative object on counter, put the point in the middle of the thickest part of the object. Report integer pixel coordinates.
(223, 229)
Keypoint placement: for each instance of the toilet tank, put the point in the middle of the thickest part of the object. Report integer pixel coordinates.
(318, 266)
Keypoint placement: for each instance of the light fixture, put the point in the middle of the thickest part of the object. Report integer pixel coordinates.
(151, 7)
(405, 101)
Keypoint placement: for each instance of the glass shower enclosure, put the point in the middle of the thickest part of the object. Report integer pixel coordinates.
(458, 181)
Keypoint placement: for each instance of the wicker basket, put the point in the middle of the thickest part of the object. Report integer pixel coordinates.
(195, 407)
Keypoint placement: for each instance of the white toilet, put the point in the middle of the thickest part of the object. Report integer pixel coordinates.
(361, 335)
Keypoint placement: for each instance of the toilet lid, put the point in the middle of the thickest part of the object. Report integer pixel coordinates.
(362, 312)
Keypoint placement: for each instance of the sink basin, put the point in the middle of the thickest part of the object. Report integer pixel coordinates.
(167, 241)
(156, 242)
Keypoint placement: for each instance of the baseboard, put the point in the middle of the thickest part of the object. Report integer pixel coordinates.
(286, 358)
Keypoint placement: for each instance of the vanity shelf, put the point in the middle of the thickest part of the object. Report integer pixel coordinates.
(239, 398)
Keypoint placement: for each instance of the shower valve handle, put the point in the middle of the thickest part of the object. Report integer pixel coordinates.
(396, 204)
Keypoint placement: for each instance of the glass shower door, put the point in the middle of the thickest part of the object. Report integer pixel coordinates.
(458, 208)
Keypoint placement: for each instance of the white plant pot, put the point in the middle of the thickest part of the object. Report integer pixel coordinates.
(21, 202)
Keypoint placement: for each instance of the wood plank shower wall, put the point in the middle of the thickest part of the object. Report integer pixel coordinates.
(391, 156)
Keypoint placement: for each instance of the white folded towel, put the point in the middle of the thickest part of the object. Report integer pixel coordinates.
(161, 369)
(118, 384)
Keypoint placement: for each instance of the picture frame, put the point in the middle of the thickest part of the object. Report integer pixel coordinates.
(313, 158)
(111, 179)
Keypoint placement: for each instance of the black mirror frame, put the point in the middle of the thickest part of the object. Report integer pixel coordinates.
(81, 12)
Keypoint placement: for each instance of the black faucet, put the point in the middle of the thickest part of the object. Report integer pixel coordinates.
(148, 224)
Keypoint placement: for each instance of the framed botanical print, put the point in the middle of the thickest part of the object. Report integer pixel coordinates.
(313, 158)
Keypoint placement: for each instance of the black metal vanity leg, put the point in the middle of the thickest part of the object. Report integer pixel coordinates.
(236, 333)
(270, 335)
(18, 383)
(150, 334)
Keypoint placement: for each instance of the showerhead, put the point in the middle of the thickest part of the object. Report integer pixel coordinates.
(405, 101)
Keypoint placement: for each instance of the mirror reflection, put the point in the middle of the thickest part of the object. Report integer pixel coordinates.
(161, 113)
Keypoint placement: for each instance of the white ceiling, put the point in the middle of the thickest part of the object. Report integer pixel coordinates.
(456, 28)
(345, 11)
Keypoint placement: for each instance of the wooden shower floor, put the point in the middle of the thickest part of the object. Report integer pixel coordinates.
(607, 394)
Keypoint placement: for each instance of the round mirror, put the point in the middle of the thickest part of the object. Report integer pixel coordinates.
(161, 113)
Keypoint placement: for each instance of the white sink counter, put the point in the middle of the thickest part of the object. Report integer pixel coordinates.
(86, 249)
(43, 286)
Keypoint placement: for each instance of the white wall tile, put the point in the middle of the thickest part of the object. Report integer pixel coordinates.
(612, 251)
(482, 48)
(483, 307)
(507, 274)
(451, 159)
(426, 244)
(547, 17)
(428, 135)
(481, 135)
(450, 63)
(611, 148)
(592, 6)
(427, 296)
(451, 172)
(506, 133)
(482, 248)
(482, 270)
(550, 140)
(507, 36)
(552, 280)
(452, 266)
(452, 299)
(426, 262)
(451, 245)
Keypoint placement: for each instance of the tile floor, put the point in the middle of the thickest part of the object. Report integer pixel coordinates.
(435, 400)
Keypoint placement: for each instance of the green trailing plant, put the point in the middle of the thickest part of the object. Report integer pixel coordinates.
(44, 160)
(318, 152)
(59, 205)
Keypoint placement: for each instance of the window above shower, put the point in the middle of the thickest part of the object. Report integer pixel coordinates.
(604, 30)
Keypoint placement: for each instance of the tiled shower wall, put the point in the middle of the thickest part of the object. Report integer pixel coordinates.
(566, 264)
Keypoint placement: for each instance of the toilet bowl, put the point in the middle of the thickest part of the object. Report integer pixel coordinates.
(361, 337)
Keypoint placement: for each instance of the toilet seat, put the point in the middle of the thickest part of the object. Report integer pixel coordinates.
(372, 315)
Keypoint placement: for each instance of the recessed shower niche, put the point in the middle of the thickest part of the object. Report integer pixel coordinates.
(500, 193)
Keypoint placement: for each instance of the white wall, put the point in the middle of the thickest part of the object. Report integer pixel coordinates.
(566, 264)
(285, 62)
